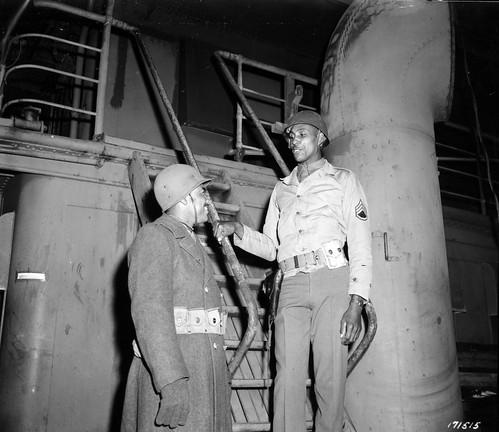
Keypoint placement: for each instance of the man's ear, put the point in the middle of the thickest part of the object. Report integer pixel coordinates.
(321, 139)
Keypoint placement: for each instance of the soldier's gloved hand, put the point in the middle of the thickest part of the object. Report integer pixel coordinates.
(174, 404)
(225, 229)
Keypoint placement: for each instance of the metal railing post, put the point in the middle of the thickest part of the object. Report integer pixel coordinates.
(103, 68)
(239, 153)
(270, 147)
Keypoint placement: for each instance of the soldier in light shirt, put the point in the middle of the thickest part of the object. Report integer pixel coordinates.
(312, 213)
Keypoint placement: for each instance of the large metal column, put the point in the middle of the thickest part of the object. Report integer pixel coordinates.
(66, 320)
(387, 78)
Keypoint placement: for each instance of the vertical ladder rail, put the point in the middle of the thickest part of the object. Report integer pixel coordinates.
(243, 291)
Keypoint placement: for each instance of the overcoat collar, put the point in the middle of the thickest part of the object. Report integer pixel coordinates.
(185, 241)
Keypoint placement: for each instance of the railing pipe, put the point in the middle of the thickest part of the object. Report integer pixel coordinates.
(457, 149)
(468, 130)
(455, 171)
(5, 39)
(243, 291)
(239, 152)
(79, 68)
(269, 145)
(461, 159)
(49, 69)
(298, 77)
(84, 14)
(42, 102)
(54, 38)
(103, 68)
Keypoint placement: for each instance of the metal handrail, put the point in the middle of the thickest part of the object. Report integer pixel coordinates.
(57, 5)
(50, 69)
(268, 68)
(103, 66)
(52, 104)
(243, 291)
(290, 78)
(270, 147)
(53, 38)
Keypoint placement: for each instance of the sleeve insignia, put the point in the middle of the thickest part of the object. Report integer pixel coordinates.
(361, 211)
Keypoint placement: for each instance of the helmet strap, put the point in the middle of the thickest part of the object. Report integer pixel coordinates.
(194, 208)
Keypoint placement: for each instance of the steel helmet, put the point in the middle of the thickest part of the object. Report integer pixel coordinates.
(175, 182)
(308, 117)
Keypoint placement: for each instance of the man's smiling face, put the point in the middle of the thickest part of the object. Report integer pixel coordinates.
(303, 141)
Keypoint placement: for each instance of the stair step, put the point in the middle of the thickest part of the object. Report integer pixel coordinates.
(255, 345)
(241, 383)
(257, 427)
(254, 283)
(236, 311)
(227, 209)
(218, 186)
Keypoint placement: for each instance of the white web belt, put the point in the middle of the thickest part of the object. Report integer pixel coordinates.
(191, 321)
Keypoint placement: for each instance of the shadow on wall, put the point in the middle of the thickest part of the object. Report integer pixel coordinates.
(124, 334)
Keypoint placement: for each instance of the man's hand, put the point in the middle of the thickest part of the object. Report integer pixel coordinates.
(225, 229)
(174, 404)
(350, 324)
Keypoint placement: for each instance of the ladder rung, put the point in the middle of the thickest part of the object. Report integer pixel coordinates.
(250, 427)
(239, 383)
(252, 282)
(255, 345)
(258, 427)
(230, 209)
(218, 186)
(236, 311)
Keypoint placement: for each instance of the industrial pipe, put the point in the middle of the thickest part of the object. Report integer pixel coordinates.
(386, 79)
(243, 291)
(57, 5)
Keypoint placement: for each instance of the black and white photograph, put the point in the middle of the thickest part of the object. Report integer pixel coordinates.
(249, 215)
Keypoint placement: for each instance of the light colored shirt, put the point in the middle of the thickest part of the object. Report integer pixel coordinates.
(329, 204)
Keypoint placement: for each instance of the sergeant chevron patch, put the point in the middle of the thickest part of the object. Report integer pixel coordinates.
(361, 211)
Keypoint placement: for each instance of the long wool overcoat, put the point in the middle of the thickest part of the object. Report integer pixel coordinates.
(167, 268)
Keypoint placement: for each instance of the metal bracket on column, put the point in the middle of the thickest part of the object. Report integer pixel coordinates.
(386, 247)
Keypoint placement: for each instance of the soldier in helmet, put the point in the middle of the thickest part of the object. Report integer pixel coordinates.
(178, 377)
(312, 212)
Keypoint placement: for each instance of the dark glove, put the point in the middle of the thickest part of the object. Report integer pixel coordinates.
(174, 404)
